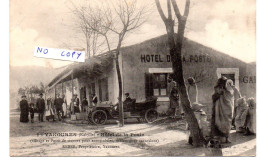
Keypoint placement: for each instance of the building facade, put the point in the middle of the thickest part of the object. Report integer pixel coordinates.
(145, 68)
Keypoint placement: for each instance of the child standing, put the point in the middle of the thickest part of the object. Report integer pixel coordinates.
(31, 110)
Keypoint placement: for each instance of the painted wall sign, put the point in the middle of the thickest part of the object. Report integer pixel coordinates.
(60, 54)
(149, 58)
(248, 79)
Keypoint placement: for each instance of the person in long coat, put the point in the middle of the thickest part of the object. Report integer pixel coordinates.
(40, 105)
(24, 107)
(174, 98)
(58, 106)
(84, 104)
(75, 102)
(223, 106)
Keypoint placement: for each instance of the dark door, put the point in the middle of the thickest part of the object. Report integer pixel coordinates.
(230, 76)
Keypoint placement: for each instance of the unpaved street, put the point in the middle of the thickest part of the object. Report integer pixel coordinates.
(162, 139)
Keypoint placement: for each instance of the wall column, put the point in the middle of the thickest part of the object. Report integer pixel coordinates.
(72, 91)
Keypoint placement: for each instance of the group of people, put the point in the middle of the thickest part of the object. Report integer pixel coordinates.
(229, 107)
(229, 110)
(245, 116)
(31, 108)
(57, 106)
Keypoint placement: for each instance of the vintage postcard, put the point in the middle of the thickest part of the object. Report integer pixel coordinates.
(132, 78)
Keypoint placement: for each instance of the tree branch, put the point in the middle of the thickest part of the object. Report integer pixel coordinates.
(159, 8)
(187, 8)
(176, 9)
(169, 10)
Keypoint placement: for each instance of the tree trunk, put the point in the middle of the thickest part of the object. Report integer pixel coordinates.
(121, 112)
(176, 56)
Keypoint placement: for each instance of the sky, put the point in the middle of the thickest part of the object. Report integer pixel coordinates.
(225, 25)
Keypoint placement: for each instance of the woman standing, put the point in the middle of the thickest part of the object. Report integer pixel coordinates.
(24, 107)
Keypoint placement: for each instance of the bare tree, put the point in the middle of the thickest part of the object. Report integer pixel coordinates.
(114, 21)
(200, 76)
(175, 45)
(84, 22)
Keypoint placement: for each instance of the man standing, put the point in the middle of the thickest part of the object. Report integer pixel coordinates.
(174, 98)
(58, 105)
(84, 104)
(76, 103)
(24, 107)
(40, 105)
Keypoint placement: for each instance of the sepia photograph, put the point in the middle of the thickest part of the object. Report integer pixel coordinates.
(132, 78)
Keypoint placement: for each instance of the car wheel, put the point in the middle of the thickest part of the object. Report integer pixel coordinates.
(99, 117)
(151, 115)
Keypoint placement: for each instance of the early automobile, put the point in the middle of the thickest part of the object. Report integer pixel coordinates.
(143, 111)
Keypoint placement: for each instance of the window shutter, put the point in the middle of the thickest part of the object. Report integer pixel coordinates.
(148, 85)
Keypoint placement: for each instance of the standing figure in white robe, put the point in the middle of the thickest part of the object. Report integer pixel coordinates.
(240, 109)
(249, 117)
(192, 90)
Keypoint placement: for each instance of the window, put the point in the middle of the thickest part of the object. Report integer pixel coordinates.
(103, 89)
(160, 84)
(156, 83)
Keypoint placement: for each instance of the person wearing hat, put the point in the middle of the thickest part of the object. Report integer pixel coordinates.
(127, 98)
(58, 106)
(40, 105)
(24, 107)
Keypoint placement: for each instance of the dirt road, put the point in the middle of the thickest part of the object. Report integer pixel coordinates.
(162, 139)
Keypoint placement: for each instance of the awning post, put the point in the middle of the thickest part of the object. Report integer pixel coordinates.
(72, 91)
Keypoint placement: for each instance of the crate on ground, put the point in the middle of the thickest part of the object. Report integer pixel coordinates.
(81, 116)
(73, 117)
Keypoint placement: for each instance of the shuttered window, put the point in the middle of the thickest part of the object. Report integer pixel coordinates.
(160, 84)
(148, 85)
